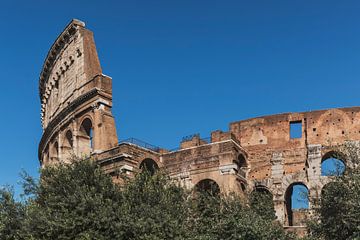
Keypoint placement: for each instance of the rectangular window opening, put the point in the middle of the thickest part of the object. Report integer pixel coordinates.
(295, 129)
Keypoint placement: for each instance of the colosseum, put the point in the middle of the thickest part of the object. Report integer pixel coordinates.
(271, 153)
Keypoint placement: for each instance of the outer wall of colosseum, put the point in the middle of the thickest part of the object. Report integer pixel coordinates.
(254, 154)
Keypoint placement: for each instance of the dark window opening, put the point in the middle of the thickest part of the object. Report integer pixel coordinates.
(208, 186)
(86, 129)
(149, 165)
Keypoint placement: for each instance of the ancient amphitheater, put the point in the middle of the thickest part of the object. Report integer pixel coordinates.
(258, 154)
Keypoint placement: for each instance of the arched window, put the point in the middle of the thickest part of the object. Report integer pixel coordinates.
(297, 204)
(86, 137)
(46, 155)
(261, 200)
(68, 139)
(332, 164)
(241, 161)
(241, 165)
(149, 165)
(208, 186)
(67, 146)
(55, 152)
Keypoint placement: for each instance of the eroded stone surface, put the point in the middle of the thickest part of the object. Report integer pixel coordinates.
(254, 153)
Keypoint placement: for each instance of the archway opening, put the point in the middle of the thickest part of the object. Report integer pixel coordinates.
(208, 186)
(297, 204)
(46, 155)
(67, 146)
(68, 139)
(149, 165)
(241, 161)
(332, 164)
(241, 164)
(261, 200)
(86, 137)
(55, 152)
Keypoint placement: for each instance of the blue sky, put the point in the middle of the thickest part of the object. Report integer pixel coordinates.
(182, 67)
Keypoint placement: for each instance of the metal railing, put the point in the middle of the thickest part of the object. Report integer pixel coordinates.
(141, 144)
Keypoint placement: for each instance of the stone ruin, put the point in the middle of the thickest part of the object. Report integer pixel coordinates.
(257, 154)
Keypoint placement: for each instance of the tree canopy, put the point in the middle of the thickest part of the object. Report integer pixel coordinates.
(337, 213)
(79, 201)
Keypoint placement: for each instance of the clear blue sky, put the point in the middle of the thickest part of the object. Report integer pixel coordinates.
(182, 67)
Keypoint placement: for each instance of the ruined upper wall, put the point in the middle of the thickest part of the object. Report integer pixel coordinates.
(71, 63)
(326, 127)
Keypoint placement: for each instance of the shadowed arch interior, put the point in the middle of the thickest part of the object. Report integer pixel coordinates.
(55, 152)
(296, 204)
(208, 186)
(261, 200)
(241, 161)
(68, 139)
(149, 165)
(86, 137)
(67, 145)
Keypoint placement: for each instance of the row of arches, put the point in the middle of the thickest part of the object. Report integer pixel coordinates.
(62, 147)
(208, 186)
(332, 163)
(296, 196)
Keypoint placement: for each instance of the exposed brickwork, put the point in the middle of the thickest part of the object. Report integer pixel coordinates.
(254, 153)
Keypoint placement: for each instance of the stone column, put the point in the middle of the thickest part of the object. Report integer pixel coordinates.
(277, 173)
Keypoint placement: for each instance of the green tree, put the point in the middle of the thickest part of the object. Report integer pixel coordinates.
(228, 217)
(12, 215)
(155, 208)
(79, 201)
(337, 214)
(73, 201)
(262, 203)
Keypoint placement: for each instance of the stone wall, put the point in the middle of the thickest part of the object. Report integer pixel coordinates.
(255, 153)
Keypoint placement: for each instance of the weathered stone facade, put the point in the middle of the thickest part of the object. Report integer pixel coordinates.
(257, 153)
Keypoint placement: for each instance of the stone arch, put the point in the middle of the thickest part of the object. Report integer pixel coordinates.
(54, 153)
(338, 186)
(296, 201)
(69, 141)
(46, 155)
(261, 188)
(149, 165)
(85, 137)
(241, 161)
(333, 164)
(207, 186)
(261, 200)
(68, 145)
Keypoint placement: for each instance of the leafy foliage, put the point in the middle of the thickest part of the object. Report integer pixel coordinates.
(75, 201)
(338, 211)
(78, 201)
(11, 215)
(154, 208)
(229, 218)
(261, 201)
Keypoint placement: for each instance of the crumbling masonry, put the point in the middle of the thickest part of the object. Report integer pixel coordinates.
(254, 154)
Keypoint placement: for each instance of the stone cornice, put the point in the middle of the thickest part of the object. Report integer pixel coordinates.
(62, 40)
